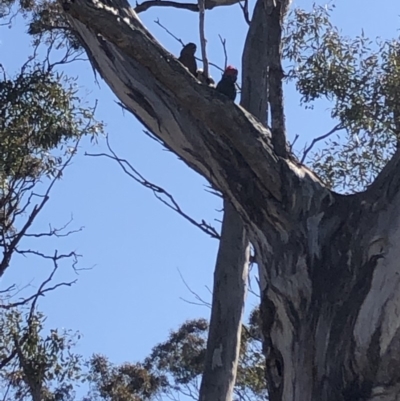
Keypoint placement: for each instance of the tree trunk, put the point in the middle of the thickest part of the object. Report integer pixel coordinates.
(330, 300)
(229, 293)
(231, 270)
(328, 263)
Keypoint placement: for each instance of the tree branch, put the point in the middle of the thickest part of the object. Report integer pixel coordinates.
(336, 128)
(245, 9)
(203, 40)
(255, 66)
(328, 263)
(276, 10)
(165, 3)
(158, 191)
(11, 247)
(223, 43)
(157, 21)
(221, 141)
(201, 301)
(208, 5)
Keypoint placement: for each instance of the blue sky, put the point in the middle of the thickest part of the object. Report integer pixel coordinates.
(131, 298)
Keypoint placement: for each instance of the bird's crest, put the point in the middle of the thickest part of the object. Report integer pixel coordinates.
(231, 71)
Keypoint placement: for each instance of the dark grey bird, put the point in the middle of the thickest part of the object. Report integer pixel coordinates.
(188, 59)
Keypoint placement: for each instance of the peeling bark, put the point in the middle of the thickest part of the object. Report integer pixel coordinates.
(328, 263)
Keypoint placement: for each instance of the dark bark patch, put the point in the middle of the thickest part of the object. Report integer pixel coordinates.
(142, 101)
(357, 391)
(105, 46)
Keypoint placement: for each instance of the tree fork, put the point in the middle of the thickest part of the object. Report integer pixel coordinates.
(328, 263)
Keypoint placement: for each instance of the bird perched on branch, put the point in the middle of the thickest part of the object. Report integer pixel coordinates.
(188, 59)
(227, 85)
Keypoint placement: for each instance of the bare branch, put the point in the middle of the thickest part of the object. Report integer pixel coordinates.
(12, 17)
(8, 289)
(223, 42)
(203, 40)
(42, 288)
(44, 256)
(208, 5)
(157, 191)
(11, 246)
(165, 3)
(294, 141)
(245, 9)
(112, 32)
(157, 21)
(201, 302)
(39, 293)
(336, 128)
(57, 232)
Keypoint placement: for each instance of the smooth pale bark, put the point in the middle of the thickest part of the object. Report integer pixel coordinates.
(329, 264)
(229, 292)
(231, 270)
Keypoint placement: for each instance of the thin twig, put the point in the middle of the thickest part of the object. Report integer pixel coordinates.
(157, 21)
(11, 247)
(245, 9)
(8, 289)
(338, 127)
(157, 190)
(42, 288)
(18, 343)
(57, 232)
(223, 42)
(294, 141)
(201, 302)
